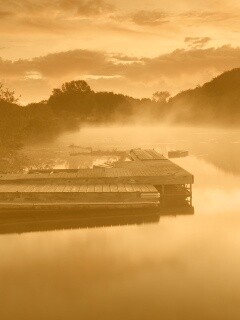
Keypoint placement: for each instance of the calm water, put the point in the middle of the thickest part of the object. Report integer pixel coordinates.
(184, 267)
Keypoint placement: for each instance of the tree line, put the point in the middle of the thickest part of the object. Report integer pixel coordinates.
(215, 103)
(66, 109)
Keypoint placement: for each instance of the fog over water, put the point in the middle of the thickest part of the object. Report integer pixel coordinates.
(184, 267)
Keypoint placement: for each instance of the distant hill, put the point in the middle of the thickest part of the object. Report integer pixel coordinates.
(216, 102)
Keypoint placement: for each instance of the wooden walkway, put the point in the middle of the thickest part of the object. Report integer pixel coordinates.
(140, 182)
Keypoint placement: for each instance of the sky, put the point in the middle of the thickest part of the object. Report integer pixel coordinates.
(132, 47)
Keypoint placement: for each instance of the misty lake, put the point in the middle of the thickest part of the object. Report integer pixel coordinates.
(183, 267)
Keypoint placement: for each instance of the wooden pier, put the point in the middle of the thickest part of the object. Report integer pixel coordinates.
(148, 179)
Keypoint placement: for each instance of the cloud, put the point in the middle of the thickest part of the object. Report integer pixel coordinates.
(5, 14)
(197, 42)
(142, 18)
(44, 13)
(25, 7)
(53, 17)
(151, 18)
(95, 7)
(189, 62)
(57, 7)
(71, 64)
(211, 16)
(175, 71)
(84, 62)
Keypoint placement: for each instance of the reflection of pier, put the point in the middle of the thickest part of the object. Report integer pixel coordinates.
(146, 181)
(31, 221)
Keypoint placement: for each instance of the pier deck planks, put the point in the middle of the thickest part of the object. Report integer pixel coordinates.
(149, 167)
(52, 188)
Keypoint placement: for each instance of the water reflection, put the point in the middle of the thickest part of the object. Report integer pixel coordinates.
(172, 269)
(23, 222)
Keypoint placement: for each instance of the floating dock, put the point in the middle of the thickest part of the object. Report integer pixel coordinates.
(177, 153)
(147, 180)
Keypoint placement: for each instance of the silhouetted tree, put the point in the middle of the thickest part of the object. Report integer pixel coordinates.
(74, 98)
(161, 96)
(7, 95)
(79, 86)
